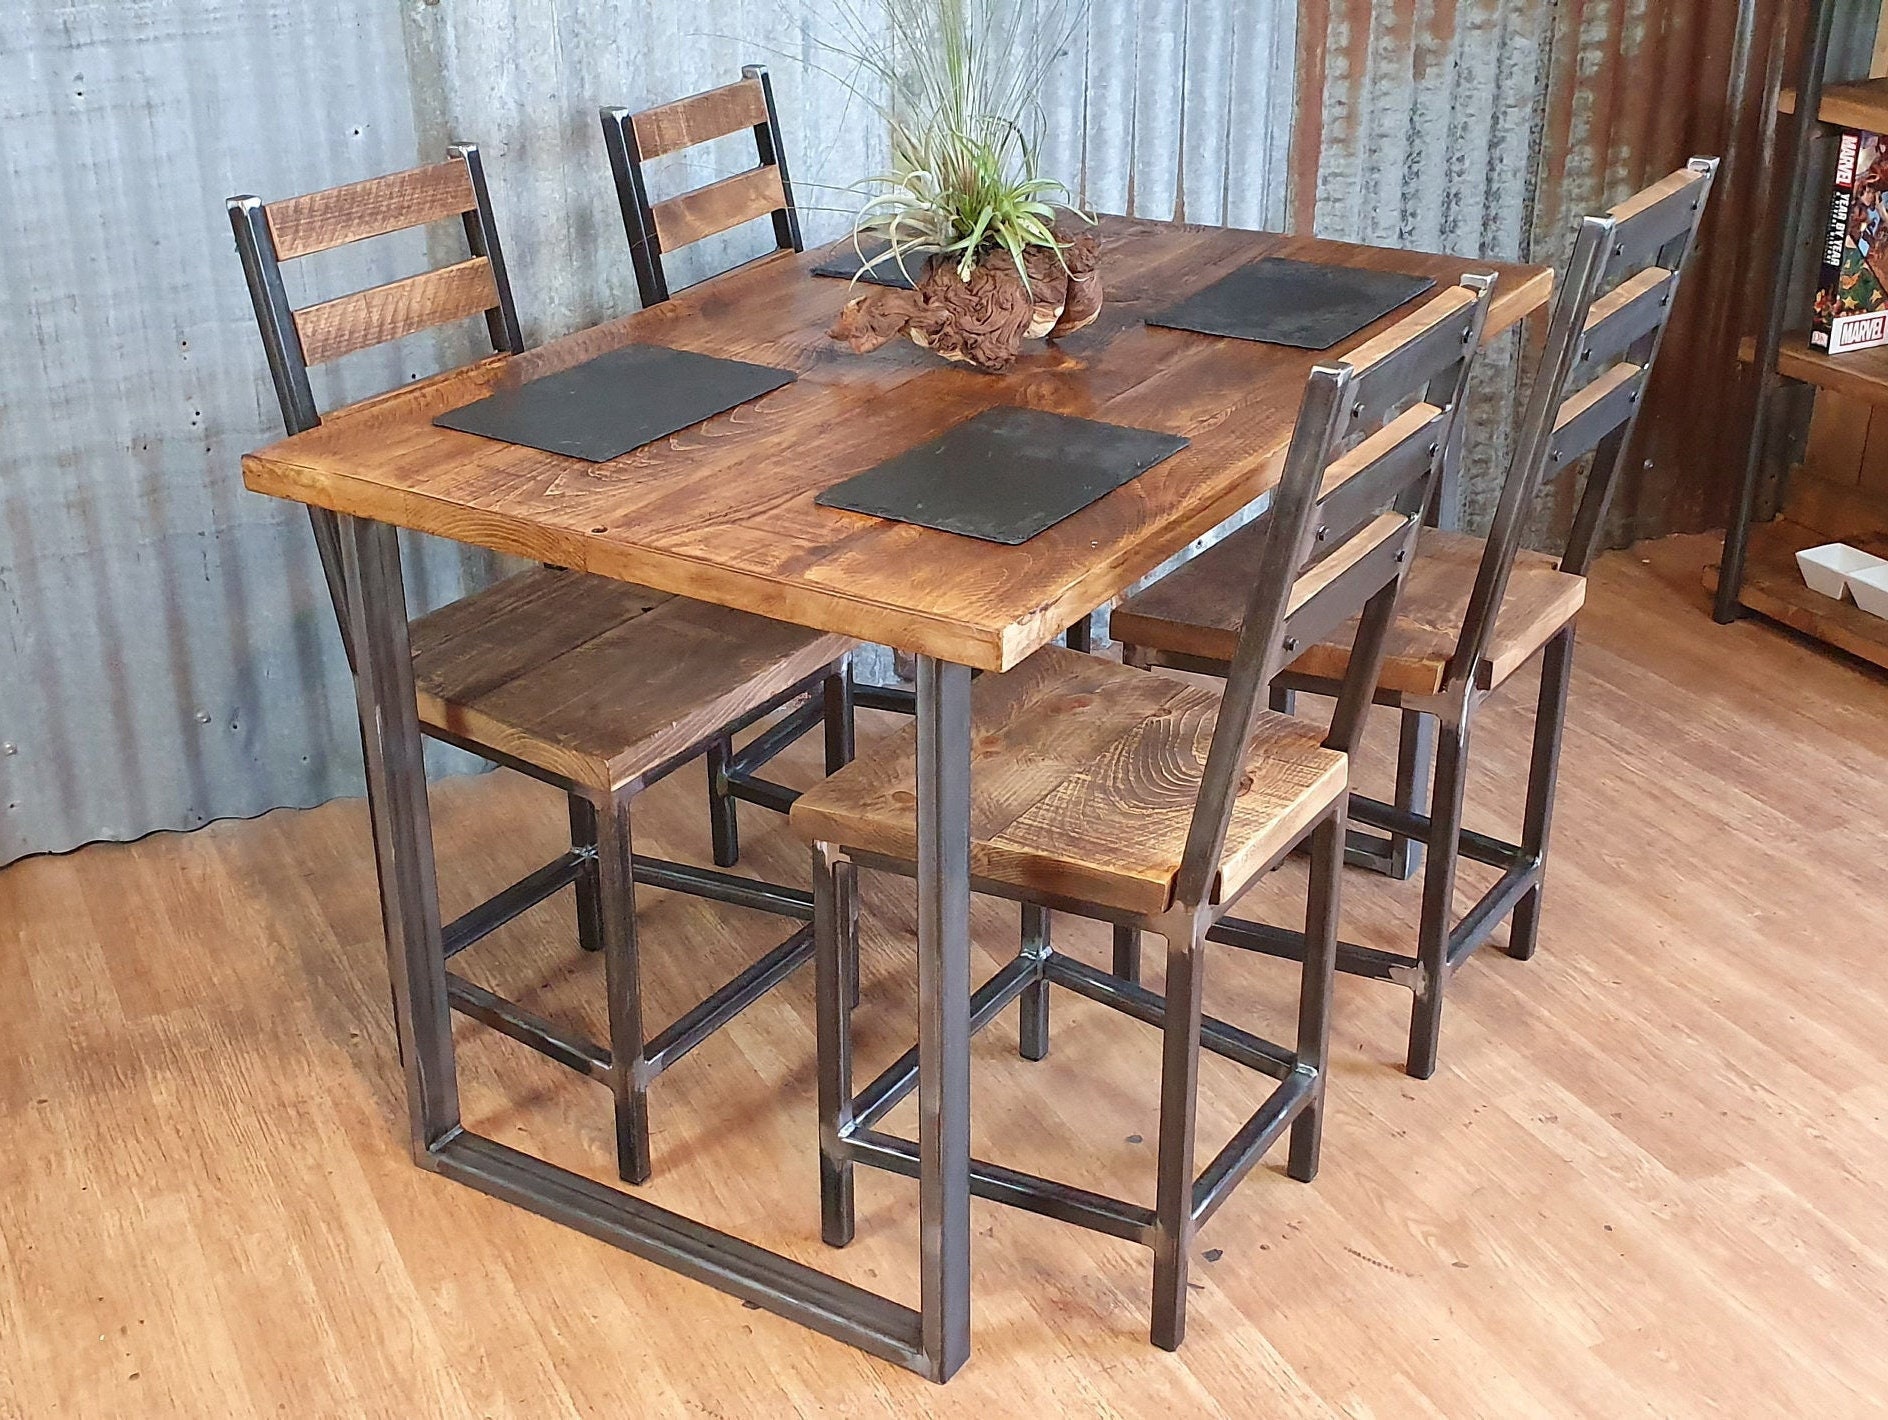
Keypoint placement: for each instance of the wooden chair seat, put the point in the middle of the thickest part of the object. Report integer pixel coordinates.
(600, 681)
(1083, 779)
(1195, 612)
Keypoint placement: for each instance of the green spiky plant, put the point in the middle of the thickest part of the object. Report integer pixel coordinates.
(958, 83)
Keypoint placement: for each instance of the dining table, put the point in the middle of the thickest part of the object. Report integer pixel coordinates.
(725, 512)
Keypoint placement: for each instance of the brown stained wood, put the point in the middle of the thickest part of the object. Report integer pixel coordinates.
(699, 118)
(724, 512)
(718, 206)
(600, 681)
(1651, 1180)
(1432, 312)
(1084, 775)
(1196, 611)
(1365, 541)
(1411, 424)
(1872, 470)
(1838, 438)
(1862, 105)
(1841, 512)
(1861, 374)
(400, 308)
(1774, 587)
(1621, 298)
(339, 215)
(1647, 198)
(1591, 394)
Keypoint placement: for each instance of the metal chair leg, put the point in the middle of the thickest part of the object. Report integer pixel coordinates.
(1179, 1090)
(583, 835)
(1282, 701)
(1415, 749)
(1032, 1032)
(724, 829)
(839, 719)
(1319, 982)
(1543, 777)
(833, 884)
(1438, 912)
(1127, 953)
(629, 1077)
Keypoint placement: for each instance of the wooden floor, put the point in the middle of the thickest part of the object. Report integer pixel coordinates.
(1650, 1178)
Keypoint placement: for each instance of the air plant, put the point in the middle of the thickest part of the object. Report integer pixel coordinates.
(958, 84)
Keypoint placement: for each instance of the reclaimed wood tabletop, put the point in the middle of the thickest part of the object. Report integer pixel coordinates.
(725, 512)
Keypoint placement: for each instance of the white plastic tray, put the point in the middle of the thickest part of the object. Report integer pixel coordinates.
(1869, 587)
(1829, 568)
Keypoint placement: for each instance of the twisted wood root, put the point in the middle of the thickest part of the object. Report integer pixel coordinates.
(983, 321)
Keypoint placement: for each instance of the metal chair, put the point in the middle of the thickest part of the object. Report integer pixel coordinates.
(549, 671)
(1476, 611)
(1133, 798)
(656, 228)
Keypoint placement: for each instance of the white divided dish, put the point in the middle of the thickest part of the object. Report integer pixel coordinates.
(1829, 568)
(1869, 587)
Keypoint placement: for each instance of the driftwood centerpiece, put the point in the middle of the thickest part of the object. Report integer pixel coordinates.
(983, 321)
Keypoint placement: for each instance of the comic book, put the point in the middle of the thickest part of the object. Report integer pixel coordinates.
(1852, 296)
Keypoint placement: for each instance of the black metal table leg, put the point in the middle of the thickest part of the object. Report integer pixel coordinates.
(944, 1012)
(934, 1342)
(402, 825)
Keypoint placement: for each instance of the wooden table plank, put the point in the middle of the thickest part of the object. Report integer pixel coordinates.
(724, 511)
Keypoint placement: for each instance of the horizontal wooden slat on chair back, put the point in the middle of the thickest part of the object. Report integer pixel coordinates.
(700, 118)
(393, 203)
(1651, 220)
(1402, 360)
(400, 308)
(718, 207)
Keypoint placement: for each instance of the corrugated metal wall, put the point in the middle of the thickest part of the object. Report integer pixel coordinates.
(169, 654)
(1427, 137)
(1491, 126)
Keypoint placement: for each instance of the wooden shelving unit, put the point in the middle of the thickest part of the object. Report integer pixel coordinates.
(1774, 588)
(1863, 104)
(1840, 494)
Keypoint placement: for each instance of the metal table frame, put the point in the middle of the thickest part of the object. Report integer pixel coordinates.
(933, 1340)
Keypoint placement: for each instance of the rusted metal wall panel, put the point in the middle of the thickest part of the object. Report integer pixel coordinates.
(1491, 126)
(1426, 137)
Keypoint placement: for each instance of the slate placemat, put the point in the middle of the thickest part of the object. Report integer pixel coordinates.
(617, 402)
(1304, 304)
(843, 260)
(1004, 475)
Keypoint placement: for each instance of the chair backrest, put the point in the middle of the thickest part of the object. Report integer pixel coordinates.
(634, 139)
(1372, 438)
(294, 340)
(1609, 321)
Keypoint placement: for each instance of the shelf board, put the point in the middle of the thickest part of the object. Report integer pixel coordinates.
(1862, 105)
(1860, 374)
(1774, 588)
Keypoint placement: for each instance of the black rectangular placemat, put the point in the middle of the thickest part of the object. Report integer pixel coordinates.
(1299, 303)
(1004, 475)
(844, 260)
(616, 402)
